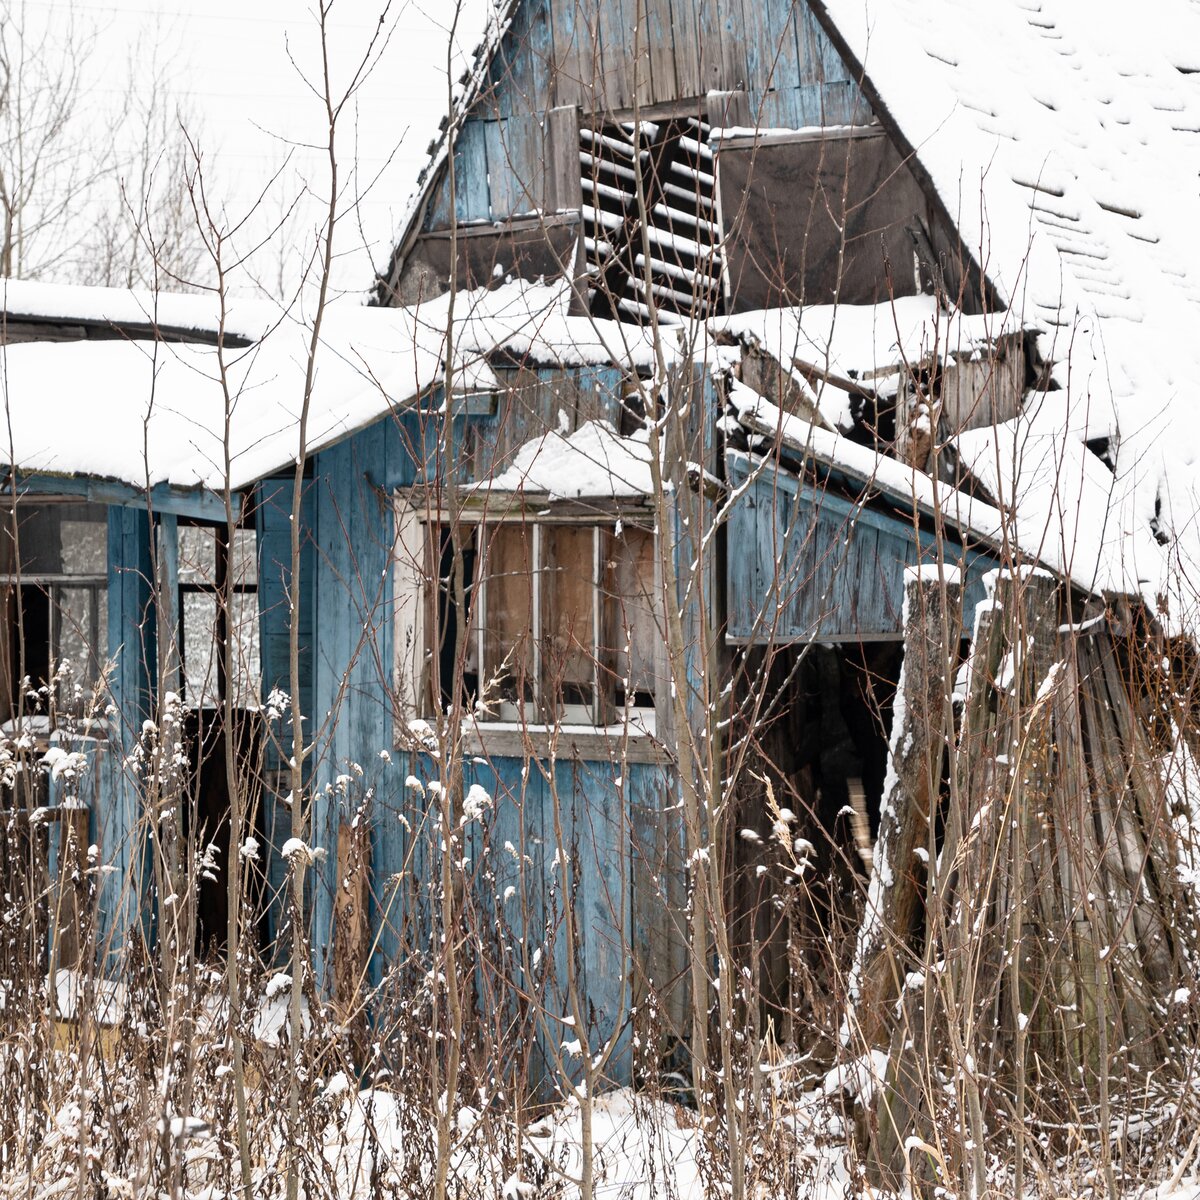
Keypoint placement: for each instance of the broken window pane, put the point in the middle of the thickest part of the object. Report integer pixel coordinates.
(243, 630)
(198, 555)
(55, 539)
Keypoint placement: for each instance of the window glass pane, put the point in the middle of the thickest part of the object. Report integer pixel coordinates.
(632, 604)
(244, 558)
(84, 541)
(508, 620)
(55, 539)
(199, 649)
(243, 630)
(568, 614)
(197, 554)
(76, 620)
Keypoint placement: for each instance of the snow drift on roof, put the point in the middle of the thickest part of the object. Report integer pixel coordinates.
(592, 463)
(123, 307)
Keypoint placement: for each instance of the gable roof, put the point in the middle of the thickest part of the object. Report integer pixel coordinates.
(1064, 140)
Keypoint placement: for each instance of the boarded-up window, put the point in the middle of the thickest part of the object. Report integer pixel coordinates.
(821, 219)
(561, 622)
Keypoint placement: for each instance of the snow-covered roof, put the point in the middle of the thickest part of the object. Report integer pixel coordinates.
(122, 308)
(149, 413)
(1064, 140)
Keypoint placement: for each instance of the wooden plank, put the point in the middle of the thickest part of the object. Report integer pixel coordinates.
(131, 647)
(567, 35)
(710, 75)
(618, 61)
(472, 201)
(410, 679)
(72, 919)
(685, 27)
(731, 24)
(563, 187)
(352, 926)
(728, 110)
(660, 36)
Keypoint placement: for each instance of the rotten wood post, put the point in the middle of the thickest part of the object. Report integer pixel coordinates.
(887, 949)
(352, 926)
(71, 904)
(884, 953)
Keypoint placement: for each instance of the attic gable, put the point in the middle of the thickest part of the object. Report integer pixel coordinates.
(550, 70)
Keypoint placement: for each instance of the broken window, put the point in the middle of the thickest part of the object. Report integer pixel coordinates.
(54, 576)
(558, 620)
(651, 232)
(208, 563)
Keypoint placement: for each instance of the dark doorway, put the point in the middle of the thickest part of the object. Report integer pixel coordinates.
(208, 822)
(817, 746)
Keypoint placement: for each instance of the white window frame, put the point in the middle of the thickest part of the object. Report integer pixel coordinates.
(412, 653)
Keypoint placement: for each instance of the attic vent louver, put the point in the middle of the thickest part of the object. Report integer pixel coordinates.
(681, 241)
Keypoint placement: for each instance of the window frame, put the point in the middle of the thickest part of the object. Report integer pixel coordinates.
(53, 583)
(223, 626)
(516, 727)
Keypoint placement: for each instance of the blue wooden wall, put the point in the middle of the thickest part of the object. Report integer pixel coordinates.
(601, 805)
(273, 522)
(604, 57)
(807, 564)
(132, 648)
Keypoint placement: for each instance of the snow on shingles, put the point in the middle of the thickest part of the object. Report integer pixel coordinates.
(1077, 190)
(144, 412)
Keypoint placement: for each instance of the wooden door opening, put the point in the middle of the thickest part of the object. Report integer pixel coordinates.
(807, 815)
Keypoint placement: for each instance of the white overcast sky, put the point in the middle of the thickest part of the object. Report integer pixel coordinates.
(229, 66)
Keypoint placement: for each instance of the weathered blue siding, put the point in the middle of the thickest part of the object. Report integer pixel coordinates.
(132, 648)
(273, 522)
(606, 57)
(514, 844)
(806, 564)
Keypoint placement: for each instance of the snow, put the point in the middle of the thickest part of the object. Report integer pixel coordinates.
(197, 314)
(105, 998)
(1064, 140)
(862, 342)
(593, 462)
(145, 413)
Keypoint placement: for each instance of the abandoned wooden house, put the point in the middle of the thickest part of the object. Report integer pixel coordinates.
(896, 332)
